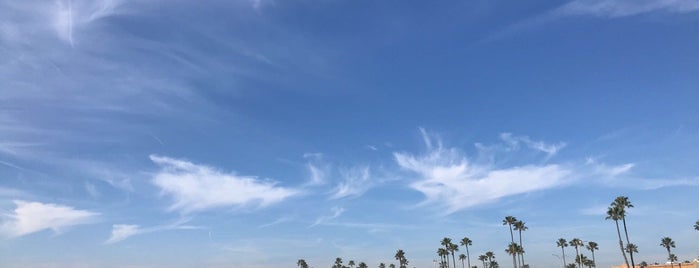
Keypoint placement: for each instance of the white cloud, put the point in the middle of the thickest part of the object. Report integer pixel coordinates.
(197, 187)
(549, 148)
(355, 182)
(317, 175)
(337, 212)
(121, 232)
(621, 8)
(31, 217)
(449, 179)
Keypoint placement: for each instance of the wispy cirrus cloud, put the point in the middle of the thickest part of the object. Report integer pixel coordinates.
(336, 212)
(355, 182)
(622, 8)
(31, 217)
(121, 232)
(196, 187)
(451, 181)
(549, 148)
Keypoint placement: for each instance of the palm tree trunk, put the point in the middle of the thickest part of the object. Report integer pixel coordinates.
(468, 257)
(462, 264)
(621, 244)
(623, 219)
(512, 238)
(454, 259)
(593, 258)
(520, 245)
(577, 256)
(514, 259)
(668, 256)
(564, 256)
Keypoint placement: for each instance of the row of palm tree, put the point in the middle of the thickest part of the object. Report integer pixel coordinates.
(580, 259)
(616, 212)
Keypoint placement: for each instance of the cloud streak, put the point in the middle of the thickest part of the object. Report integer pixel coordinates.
(32, 217)
(121, 232)
(196, 187)
(623, 8)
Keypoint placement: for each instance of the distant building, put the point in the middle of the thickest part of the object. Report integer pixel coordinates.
(693, 264)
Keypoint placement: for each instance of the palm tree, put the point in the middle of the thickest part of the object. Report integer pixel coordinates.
(362, 265)
(400, 257)
(519, 226)
(381, 265)
(592, 246)
(622, 202)
(491, 257)
(571, 265)
(338, 263)
(462, 257)
(614, 213)
(446, 242)
(301, 263)
(667, 243)
(483, 258)
(467, 242)
(562, 243)
(443, 253)
(696, 226)
(391, 265)
(631, 248)
(576, 242)
(351, 263)
(493, 264)
(513, 249)
(643, 264)
(452, 248)
(672, 258)
(509, 221)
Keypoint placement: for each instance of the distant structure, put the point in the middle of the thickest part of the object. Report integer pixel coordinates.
(693, 264)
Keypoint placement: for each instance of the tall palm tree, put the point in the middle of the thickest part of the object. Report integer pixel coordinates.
(400, 257)
(614, 213)
(462, 257)
(592, 246)
(576, 242)
(351, 263)
(519, 226)
(467, 242)
(382, 265)
(483, 258)
(667, 243)
(446, 242)
(362, 265)
(562, 243)
(452, 248)
(513, 249)
(622, 202)
(509, 221)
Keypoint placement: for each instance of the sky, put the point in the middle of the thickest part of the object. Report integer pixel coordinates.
(254, 133)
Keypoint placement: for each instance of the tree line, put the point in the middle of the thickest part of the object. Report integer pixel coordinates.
(447, 251)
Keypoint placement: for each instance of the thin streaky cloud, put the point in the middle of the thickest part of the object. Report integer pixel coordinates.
(336, 212)
(623, 8)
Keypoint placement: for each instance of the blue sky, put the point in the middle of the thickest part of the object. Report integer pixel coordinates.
(255, 133)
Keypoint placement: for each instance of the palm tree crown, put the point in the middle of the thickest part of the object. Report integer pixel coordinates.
(696, 226)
